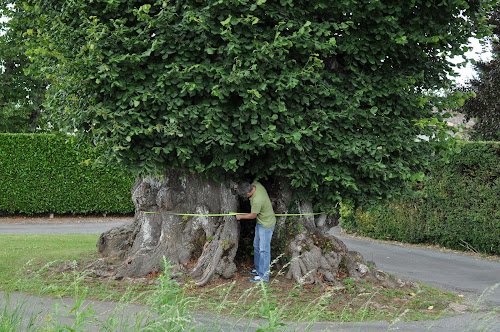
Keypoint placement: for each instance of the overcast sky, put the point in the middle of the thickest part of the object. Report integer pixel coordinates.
(477, 53)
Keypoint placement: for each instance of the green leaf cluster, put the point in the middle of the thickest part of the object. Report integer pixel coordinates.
(326, 94)
(42, 173)
(21, 94)
(457, 206)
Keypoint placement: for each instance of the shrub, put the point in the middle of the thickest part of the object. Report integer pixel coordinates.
(459, 208)
(42, 173)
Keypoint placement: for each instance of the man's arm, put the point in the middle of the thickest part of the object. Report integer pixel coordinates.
(246, 216)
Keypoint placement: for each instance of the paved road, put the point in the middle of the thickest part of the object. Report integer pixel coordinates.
(446, 270)
(455, 272)
(84, 227)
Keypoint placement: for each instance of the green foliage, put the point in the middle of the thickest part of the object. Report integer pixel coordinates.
(395, 220)
(485, 107)
(330, 95)
(21, 94)
(43, 173)
(459, 208)
(323, 243)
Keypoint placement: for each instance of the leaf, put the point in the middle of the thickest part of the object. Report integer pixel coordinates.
(145, 8)
(270, 88)
(226, 21)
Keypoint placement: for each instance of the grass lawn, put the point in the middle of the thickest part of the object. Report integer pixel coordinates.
(53, 265)
(22, 256)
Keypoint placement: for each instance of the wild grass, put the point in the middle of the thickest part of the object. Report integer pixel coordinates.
(485, 320)
(171, 308)
(166, 304)
(12, 317)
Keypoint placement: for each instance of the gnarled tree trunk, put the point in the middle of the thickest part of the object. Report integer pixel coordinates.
(205, 247)
(210, 242)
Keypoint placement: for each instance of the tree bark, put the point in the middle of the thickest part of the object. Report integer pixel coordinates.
(205, 247)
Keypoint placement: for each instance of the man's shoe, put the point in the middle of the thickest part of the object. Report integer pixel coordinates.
(257, 279)
(254, 272)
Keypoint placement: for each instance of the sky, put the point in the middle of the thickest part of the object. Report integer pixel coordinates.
(478, 52)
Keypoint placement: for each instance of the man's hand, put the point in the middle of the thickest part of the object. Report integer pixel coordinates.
(246, 216)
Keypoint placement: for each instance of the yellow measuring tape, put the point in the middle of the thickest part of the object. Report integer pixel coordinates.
(229, 214)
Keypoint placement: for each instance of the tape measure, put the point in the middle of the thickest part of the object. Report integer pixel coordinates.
(229, 214)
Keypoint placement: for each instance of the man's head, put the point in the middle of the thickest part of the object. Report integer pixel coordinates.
(244, 188)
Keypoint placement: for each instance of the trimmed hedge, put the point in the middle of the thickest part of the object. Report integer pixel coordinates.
(459, 205)
(42, 173)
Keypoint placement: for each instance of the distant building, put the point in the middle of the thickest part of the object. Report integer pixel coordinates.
(457, 119)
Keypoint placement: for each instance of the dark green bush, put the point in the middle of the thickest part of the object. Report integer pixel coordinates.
(42, 173)
(460, 208)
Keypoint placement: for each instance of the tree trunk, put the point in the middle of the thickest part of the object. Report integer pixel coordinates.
(205, 247)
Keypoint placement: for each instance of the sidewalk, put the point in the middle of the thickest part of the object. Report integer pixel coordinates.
(111, 316)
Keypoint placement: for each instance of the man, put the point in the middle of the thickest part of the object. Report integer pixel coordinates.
(261, 208)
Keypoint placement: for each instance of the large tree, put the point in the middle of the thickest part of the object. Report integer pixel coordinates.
(322, 100)
(21, 94)
(485, 107)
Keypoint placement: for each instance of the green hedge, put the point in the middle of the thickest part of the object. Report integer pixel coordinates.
(459, 205)
(41, 173)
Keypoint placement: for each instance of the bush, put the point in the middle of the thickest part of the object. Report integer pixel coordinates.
(41, 173)
(460, 207)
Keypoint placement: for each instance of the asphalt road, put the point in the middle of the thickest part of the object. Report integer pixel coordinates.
(80, 227)
(460, 273)
(446, 270)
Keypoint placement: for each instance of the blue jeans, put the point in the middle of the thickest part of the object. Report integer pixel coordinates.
(262, 250)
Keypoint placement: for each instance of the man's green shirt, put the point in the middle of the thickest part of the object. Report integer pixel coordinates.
(262, 207)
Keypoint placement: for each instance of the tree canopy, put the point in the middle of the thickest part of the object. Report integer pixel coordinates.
(21, 95)
(485, 107)
(330, 95)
